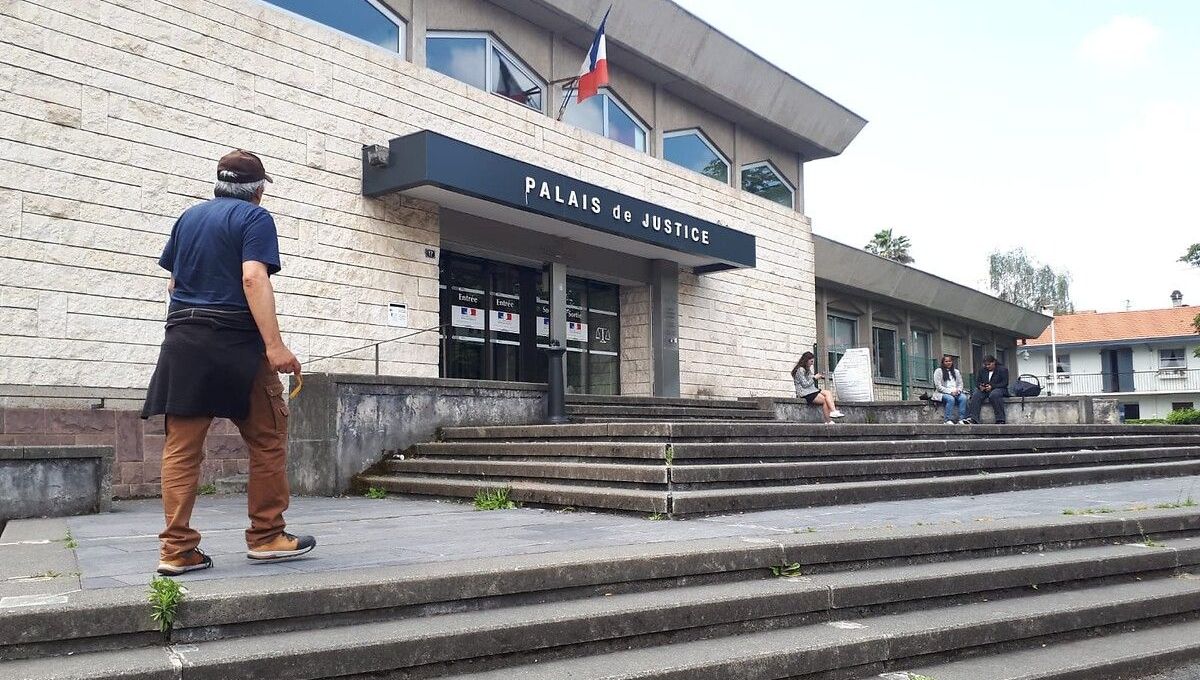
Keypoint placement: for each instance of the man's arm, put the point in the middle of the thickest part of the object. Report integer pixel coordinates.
(261, 297)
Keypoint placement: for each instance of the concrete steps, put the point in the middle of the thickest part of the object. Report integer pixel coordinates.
(865, 602)
(597, 409)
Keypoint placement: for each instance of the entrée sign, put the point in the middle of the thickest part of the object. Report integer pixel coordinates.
(582, 201)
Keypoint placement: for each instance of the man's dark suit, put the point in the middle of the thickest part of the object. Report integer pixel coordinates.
(999, 383)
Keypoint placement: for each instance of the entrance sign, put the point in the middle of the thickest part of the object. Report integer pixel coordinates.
(853, 376)
(467, 317)
(428, 159)
(506, 322)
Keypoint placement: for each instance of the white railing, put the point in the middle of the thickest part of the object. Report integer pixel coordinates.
(1162, 380)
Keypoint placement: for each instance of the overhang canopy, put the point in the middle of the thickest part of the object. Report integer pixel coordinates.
(479, 182)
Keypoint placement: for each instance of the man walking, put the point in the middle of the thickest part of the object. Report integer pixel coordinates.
(991, 384)
(220, 359)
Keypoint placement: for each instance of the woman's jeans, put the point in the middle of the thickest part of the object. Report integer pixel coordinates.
(950, 401)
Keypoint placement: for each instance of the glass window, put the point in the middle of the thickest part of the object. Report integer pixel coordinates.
(884, 341)
(480, 61)
(693, 151)
(363, 19)
(1172, 358)
(1064, 363)
(607, 117)
(923, 362)
(840, 334)
(761, 179)
(1182, 405)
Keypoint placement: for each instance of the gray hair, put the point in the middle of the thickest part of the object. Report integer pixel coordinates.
(243, 190)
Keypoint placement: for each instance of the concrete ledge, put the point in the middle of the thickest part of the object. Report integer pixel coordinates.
(54, 481)
(1031, 411)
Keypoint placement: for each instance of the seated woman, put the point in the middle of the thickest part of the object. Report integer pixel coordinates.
(806, 387)
(949, 383)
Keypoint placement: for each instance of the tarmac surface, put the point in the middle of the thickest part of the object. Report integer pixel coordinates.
(120, 548)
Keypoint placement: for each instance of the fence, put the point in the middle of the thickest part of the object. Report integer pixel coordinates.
(1161, 381)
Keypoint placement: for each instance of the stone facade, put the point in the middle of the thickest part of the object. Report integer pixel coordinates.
(114, 112)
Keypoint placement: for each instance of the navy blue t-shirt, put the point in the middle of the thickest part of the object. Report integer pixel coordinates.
(208, 245)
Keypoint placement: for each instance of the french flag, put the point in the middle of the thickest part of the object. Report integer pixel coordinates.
(594, 73)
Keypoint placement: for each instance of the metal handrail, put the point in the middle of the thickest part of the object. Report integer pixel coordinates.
(1160, 380)
(376, 345)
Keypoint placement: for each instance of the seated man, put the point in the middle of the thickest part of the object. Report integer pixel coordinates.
(991, 383)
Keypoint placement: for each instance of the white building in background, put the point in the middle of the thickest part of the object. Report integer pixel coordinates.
(1146, 359)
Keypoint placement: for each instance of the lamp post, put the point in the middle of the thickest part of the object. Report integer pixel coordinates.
(1049, 311)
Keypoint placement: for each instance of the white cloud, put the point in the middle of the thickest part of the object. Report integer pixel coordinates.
(1123, 43)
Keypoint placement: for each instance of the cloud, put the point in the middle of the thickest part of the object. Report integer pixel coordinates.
(1123, 43)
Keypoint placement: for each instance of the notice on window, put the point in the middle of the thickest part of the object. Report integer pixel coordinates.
(853, 378)
(466, 317)
(543, 326)
(577, 332)
(505, 322)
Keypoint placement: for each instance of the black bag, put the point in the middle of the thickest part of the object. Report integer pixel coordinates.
(1024, 388)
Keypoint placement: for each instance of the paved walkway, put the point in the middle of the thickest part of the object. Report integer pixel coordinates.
(120, 548)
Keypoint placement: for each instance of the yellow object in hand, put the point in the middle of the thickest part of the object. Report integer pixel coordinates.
(299, 386)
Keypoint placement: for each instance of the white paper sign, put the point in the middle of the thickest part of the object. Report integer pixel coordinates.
(506, 322)
(398, 315)
(543, 326)
(853, 377)
(577, 332)
(466, 317)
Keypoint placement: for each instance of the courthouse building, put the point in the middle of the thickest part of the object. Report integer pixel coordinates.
(672, 202)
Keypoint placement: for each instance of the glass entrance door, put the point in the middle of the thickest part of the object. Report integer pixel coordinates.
(496, 324)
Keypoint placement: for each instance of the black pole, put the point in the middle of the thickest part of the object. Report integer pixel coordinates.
(556, 398)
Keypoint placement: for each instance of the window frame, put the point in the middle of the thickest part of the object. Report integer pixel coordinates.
(877, 368)
(829, 347)
(612, 98)
(778, 173)
(707, 142)
(387, 12)
(1182, 358)
(1064, 360)
(933, 362)
(491, 42)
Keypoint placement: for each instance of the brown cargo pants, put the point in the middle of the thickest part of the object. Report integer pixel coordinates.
(264, 430)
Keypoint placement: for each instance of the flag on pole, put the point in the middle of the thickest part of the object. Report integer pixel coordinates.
(593, 74)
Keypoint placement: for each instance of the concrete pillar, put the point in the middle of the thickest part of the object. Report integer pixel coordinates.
(416, 34)
(558, 304)
(822, 330)
(664, 327)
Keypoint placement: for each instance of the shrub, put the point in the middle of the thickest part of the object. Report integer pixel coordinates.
(1187, 416)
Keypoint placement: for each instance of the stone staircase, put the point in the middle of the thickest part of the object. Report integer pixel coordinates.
(583, 408)
(1112, 596)
(692, 468)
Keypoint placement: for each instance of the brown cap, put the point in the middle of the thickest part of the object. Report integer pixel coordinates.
(241, 167)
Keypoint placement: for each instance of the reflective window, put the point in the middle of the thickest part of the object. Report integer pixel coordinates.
(761, 179)
(607, 117)
(364, 19)
(482, 62)
(884, 340)
(693, 151)
(840, 335)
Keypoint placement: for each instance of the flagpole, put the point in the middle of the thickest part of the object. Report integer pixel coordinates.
(568, 95)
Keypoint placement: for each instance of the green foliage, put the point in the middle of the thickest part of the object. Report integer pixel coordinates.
(376, 493)
(207, 489)
(893, 247)
(1192, 256)
(786, 570)
(70, 541)
(165, 596)
(1187, 416)
(656, 517)
(1018, 278)
(1146, 421)
(1188, 502)
(494, 499)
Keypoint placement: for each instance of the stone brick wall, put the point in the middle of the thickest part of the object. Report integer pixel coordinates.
(138, 443)
(113, 112)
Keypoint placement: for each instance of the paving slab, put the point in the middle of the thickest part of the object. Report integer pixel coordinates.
(119, 548)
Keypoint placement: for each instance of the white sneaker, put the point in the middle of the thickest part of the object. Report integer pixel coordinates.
(829, 422)
(949, 422)
(836, 414)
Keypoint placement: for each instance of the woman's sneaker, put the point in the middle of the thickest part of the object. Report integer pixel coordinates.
(192, 560)
(283, 547)
(836, 414)
(949, 422)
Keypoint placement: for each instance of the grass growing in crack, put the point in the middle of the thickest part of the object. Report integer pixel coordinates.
(786, 570)
(1186, 503)
(1151, 543)
(669, 454)
(376, 493)
(655, 517)
(494, 499)
(165, 596)
(70, 541)
(207, 489)
(914, 676)
(1089, 511)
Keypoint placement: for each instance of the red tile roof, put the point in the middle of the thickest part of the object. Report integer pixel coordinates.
(1141, 325)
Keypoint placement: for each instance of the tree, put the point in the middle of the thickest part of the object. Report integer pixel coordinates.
(1192, 256)
(893, 247)
(1018, 278)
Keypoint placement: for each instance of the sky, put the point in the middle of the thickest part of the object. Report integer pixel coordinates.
(1069, 128)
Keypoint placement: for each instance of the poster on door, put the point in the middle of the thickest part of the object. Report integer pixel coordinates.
(466, 317)
(577, 331)
(506, 322)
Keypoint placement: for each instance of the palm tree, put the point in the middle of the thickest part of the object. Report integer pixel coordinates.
(885, 244)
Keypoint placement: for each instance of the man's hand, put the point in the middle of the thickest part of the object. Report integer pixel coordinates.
(282, 360)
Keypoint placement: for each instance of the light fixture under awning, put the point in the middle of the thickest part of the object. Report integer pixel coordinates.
(479, 182)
